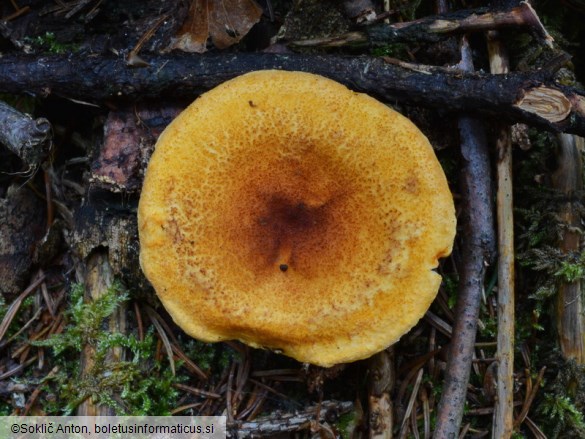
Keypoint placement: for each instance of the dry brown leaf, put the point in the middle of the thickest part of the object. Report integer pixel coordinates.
(226, 22)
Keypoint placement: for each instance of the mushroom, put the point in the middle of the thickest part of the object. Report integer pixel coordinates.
(286, 211)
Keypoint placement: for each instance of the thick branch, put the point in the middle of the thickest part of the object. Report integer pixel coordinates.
(526, 97)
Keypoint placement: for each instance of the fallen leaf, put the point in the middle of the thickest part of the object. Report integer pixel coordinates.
(226, 22)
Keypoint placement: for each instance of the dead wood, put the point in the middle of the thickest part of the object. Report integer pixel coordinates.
(530, 97)
(381, 385)
(359, 10)
(130, 133)
(28, 138)
(98, 278)
(477, 248)
(570, 306)
(22, 225)
(504, 407)
(437, 28)
(280, 423)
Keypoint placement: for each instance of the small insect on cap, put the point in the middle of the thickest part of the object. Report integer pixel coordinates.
(286, 211)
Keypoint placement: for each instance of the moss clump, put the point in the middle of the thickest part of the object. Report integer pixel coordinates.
(49, 43)
(139, 386)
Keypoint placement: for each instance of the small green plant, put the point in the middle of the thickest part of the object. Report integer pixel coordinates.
(570, 271)
(451, 283)
(138, 386)
(565, 414)
(346, 425)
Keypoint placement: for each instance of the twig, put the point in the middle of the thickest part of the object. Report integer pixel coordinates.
(28, 138)
(290, 422)
(24, 327)
(254, 405)
(197, 392)
(18, 368)
(133, 59)
(411, 401)
(35, 394)
(464, 431)
(437, 28)
(538, 434)
(270, 389)
(242, 378)
(229, 395)
(188, 362)
(154, 318)
(528, 403)
(15, 306)
(504, 414)
(185, 407)
(477, 249)
(438, 323)
(139, 321)
(47, 299)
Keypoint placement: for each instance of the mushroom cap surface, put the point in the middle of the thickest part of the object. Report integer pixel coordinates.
(286, 211)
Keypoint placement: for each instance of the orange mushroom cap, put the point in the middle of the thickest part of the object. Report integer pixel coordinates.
(286, 211)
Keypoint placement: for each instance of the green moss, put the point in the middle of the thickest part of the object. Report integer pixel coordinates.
(346, 425)
(144, 386)
(567, 417)
(489, 329)
(48, 42)
(450, 283)
(209, 357)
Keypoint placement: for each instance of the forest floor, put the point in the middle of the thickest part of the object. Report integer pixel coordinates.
(82, 331)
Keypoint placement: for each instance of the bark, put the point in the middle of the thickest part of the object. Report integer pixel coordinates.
(28, 138)
(130, 134)
(570, 306)
(381, 385)
(435, 29)
(22, 224)
(359, 10)
(504, 407)
(109, 222)
(281, 423)
(97, 279)
(527, 97)
(477, 250)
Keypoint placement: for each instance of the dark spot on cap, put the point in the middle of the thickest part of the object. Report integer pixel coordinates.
(283, 267)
